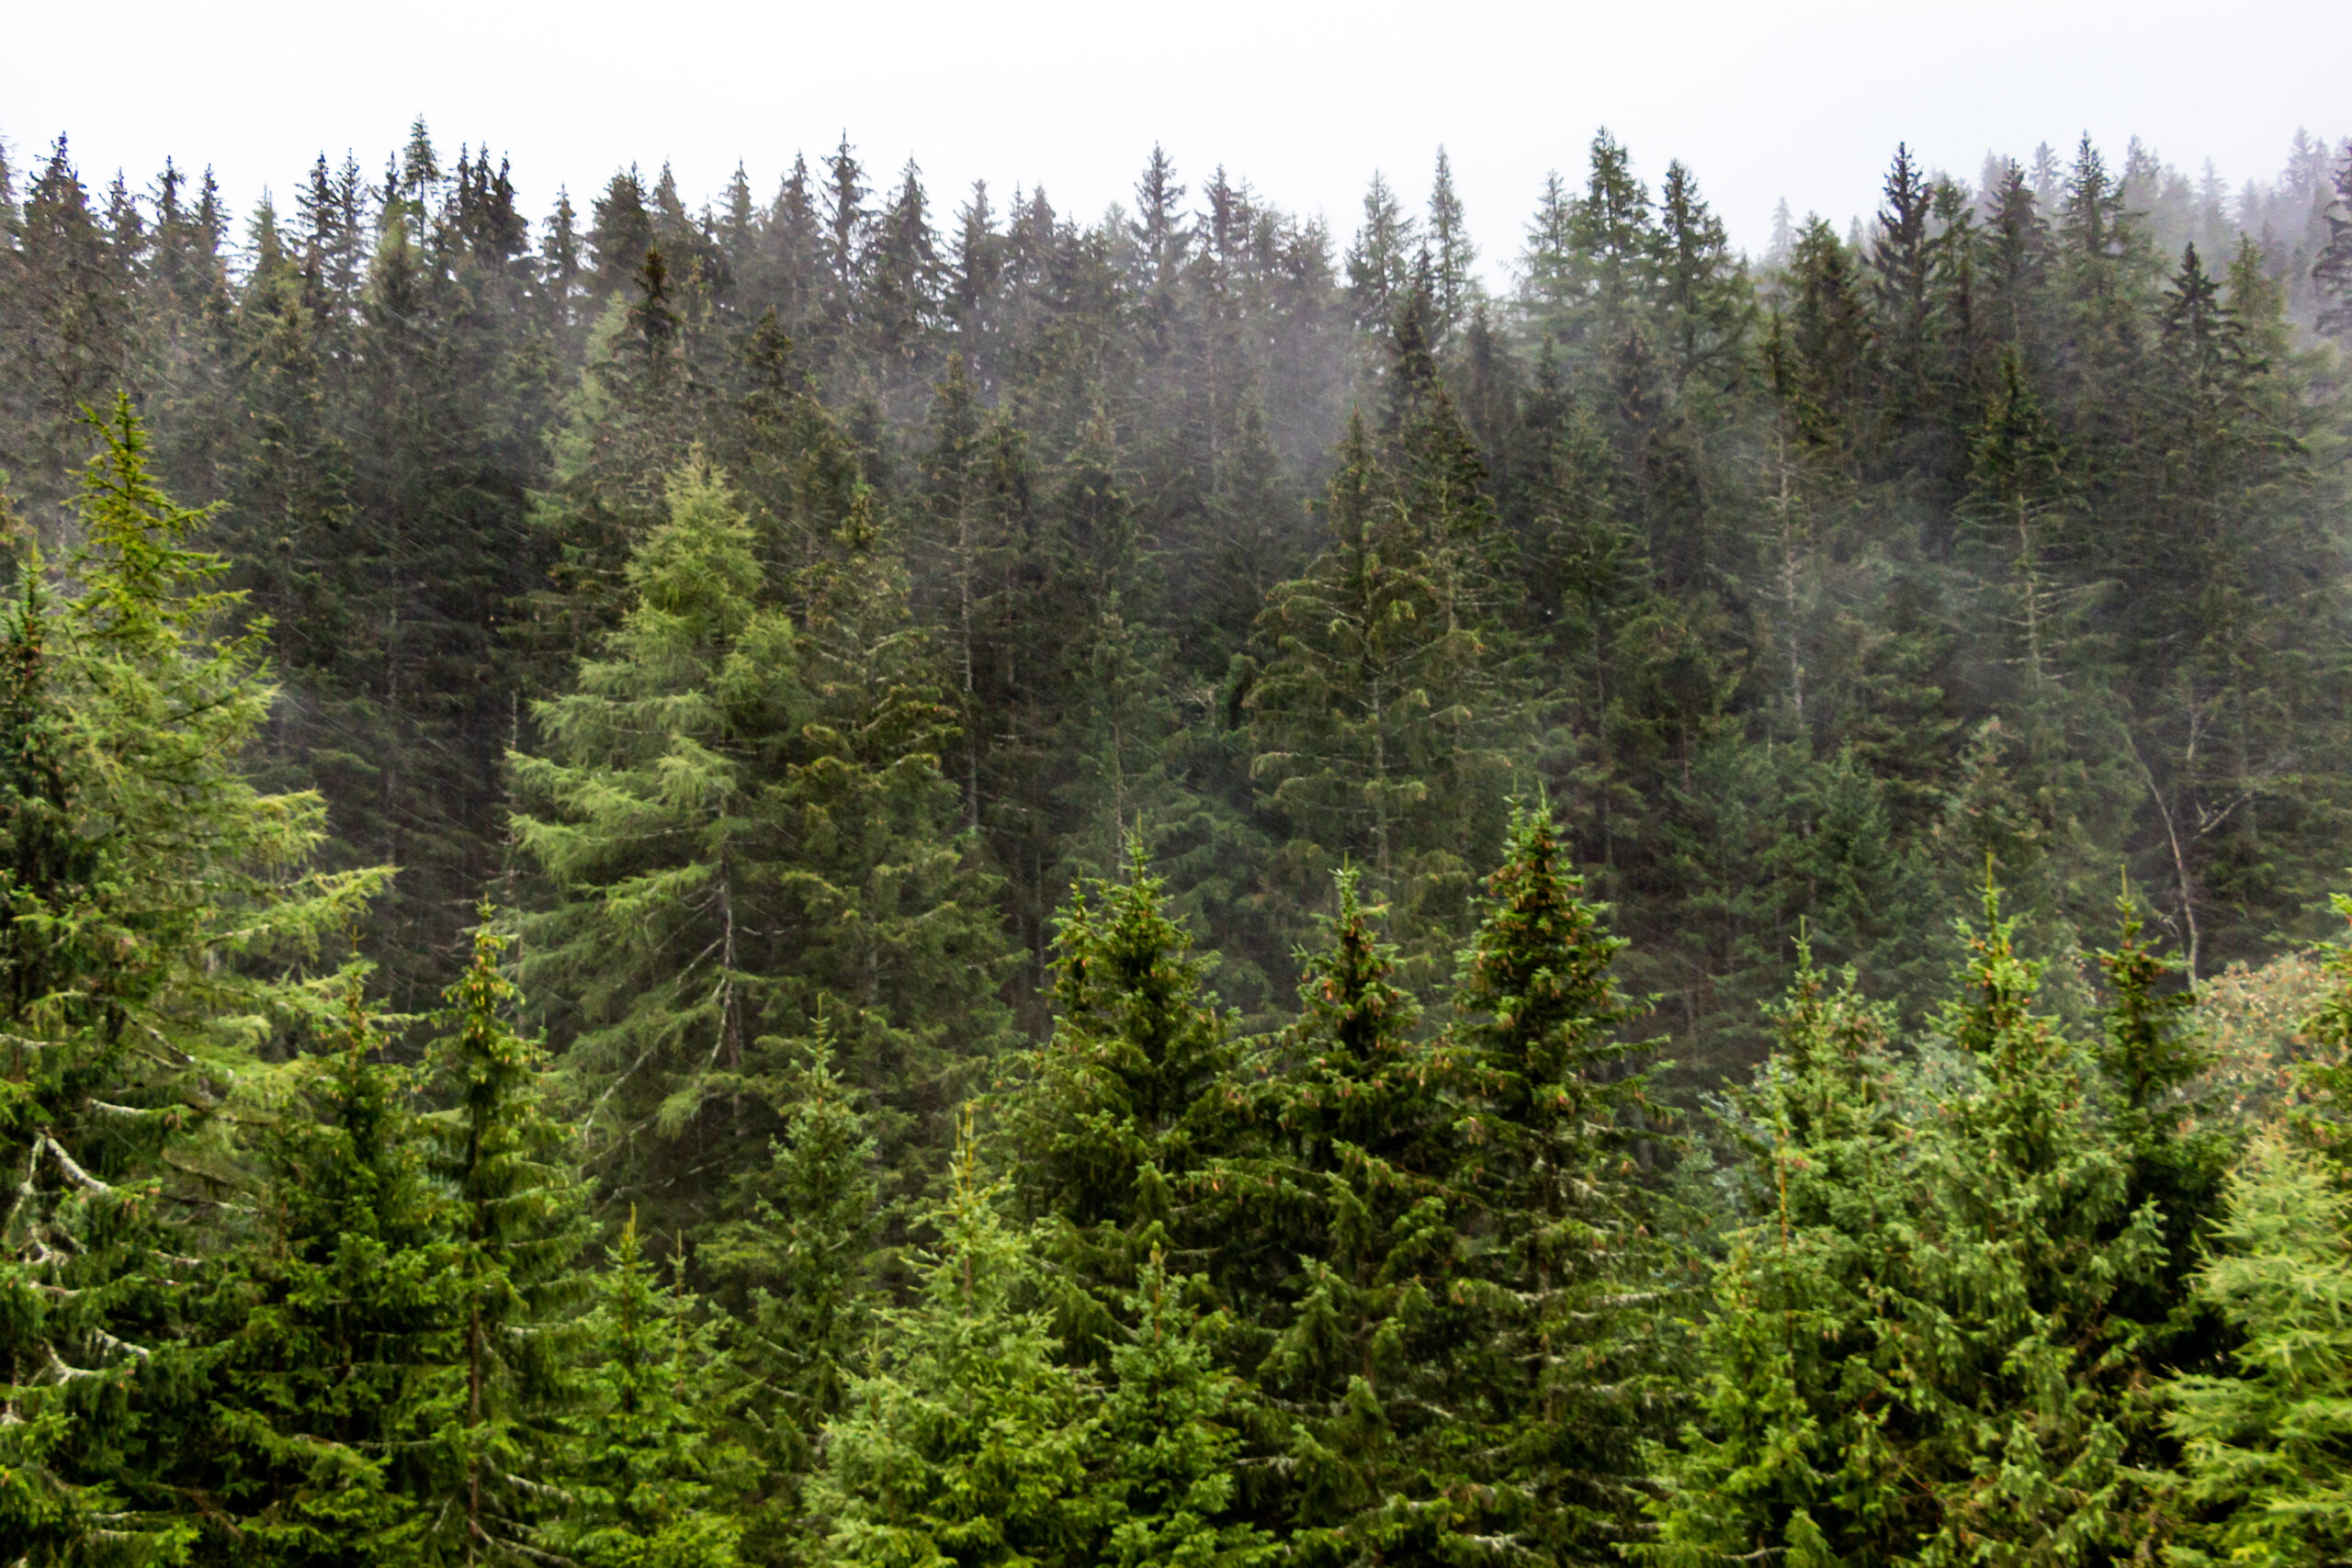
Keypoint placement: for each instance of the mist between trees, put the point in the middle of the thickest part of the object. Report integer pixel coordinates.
(831, 881)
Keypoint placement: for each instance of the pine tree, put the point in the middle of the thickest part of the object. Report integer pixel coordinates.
(1351, 1202)
(1796, 1445)
(2027, 1239)
(1451, 254)
(2332, 273)
(655, 832)
(1704, 299)
(158, 909)
(1381, 722)
(1380, 262)
(2265, 1445)
(1167, 1444)
(327, 1332)
(797, 1263)
(749, 828)
(2263, 1433)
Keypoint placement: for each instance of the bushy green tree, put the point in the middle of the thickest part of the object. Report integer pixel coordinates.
(1793, 1440)
(1561, 1363)
(1113, 1119)
(798, 1264)
(158, 907)
(328, 1334)
(966, 1439)
(1348, 1199)
(656, 828)
(2265, 1445)
(746, 824)
(647, 1482)
(2015, 1349)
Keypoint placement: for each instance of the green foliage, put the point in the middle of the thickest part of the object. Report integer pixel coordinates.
(520, 1226)
(325, 1333)
(1113, 1119)
(1794, 1447)
(2264, 1447)
(781, 604)
(797, 1260)
(966, 1439)
(646, 1484)
(1562, 1359)
(1359, 1223)
(156, 901)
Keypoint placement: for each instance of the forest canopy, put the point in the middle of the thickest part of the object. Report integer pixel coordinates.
(852, 877)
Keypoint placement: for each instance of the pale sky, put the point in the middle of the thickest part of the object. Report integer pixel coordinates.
(1801, 98)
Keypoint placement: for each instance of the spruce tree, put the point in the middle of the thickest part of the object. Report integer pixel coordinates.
(646, 1481)
(329, 1333)
(1381, 721)
(1574, 1291)
(1113, 1121)
(158, 907)
(1793, 1442)
(1351, 1201)
(797, 1263)
(2029, 1238)
(2265, 1445)
(520, 1226)
(1167, 1443)
(656, 831)
(967, 1438)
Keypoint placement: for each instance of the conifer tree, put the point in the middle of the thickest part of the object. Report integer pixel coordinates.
(1167, 1442)
(2028, 1240)
(1555, 1128)
(797, 1263)
(329, 1332)
(156, 905)
(1381, 721)
(2265, 1445)
(519, 1223)
(1115, 1118)
(968, 1440)
(1351, 1202)
(656, 830)
(2264, 1435)
(1793, 1443)
(647, 1481)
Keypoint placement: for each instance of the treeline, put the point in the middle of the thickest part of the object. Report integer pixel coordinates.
(825, 680)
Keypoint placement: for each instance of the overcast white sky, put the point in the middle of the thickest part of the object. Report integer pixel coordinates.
(1801, 98)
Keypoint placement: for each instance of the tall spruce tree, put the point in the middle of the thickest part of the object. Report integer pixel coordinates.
(967, 1441)
(1115, 1119)
(1566, 1370)
(519, 1219)
(159, 908)
(329, 1331)
(1794, 1445)
(1352, 1202)
(797, 1263)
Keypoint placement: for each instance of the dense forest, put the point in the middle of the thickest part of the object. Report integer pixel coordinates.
(834, 878)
